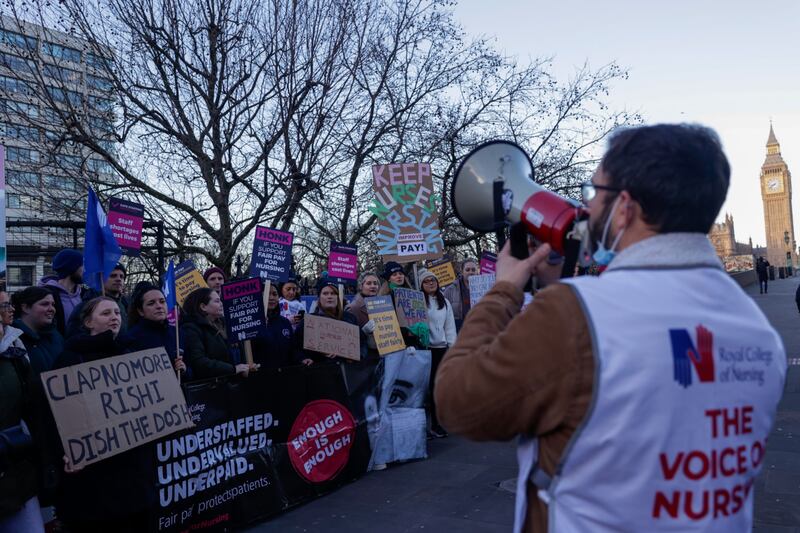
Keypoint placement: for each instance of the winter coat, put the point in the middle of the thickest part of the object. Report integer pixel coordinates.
(19, 479)
(74, 326)
(321, 358)
(274, 348)
(441, 324)
(358, 308)
(65, 302)
(147, 334)
(43, 346)
(206, 350)
(119, 485)
(457, 294)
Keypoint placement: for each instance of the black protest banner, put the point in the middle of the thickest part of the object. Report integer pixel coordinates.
(260, 446)
(111, 405)
(244, 309)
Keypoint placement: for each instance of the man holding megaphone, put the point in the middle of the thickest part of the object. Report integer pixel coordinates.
(643, 397)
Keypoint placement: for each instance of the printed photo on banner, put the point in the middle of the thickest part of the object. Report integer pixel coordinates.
(243, 303)
(444, 271)
(405, 205)
(488, 263)
(343, 262)
(478, 286)
(126, 220)
(111, 405)
(330, 336)
(410, 306)
(187, 280)
(272, 254)
(388, 336)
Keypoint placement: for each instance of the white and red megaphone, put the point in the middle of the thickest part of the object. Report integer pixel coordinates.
(494, 186)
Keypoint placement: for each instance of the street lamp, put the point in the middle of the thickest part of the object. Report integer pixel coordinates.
(788, 254)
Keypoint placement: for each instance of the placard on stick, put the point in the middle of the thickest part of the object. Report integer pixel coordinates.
(478, 286)
(244, 309)
(272, 254)
(126, 220)
(405, 205)
(388, 336)
(187, 280)
(111, 405)
(343, 262)
(327, 335)
(410, 305)
(488, 263)
(443, 270)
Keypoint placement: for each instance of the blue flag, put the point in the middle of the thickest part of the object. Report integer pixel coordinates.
(169, 293)
(101, 252)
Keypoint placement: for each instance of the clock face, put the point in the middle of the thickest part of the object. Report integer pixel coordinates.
(774, 185)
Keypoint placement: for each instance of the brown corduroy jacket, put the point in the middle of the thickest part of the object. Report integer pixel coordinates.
(520, 373)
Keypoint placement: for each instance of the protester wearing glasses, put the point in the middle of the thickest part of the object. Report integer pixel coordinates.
(442, 327)
(19, 461)
(275, 347)
(328, 305)
(6, 309)
(610, 380)
(116, 493)
(368, 285)
(148, 327)
(207, 352)
(34, 309)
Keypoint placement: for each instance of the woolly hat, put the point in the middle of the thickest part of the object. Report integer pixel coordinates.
(119, 266)
(66, 262)
(326, 282)
(424, 274)
(390, 268)
(211, 270)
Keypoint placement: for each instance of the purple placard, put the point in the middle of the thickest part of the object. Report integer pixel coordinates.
(126, 220)
(343, 262)
(244, 309)
(488, 262)
(272, 254)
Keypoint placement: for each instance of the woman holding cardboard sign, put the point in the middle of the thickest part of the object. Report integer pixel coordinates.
(396, 279)
(113, 494)
(206, 348)
(328, 305)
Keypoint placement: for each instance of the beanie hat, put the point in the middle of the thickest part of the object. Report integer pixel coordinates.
(424, 274)
(390, 268)
(326, 282)
(66, 262)
(211, 270)
(119, 266)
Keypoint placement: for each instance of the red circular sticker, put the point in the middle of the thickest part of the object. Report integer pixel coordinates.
(320, 440)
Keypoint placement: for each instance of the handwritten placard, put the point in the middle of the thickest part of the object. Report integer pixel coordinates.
(478, 286)
(187, 280)
(111, 405)
(410, 305)
(388, 336)
(330, 336)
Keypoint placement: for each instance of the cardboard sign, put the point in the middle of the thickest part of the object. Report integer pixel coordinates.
(111, 405)
(405, 205)
(327, 335)
(187, 280)
(126, 220)
(488, 263)
(272, 254)
(244, 309)
(388, 336)
(444, 271)
(479, 286)
(410, 305)
(343, 262)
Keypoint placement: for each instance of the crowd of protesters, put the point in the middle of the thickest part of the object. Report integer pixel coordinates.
(61, 323)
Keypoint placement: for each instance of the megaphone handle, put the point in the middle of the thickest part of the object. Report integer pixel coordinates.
(519, 247)
(571, 250)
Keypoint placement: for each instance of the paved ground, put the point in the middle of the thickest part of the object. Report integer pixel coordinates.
(458, 487)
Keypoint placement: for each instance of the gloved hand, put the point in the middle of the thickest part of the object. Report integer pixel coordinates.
(369, 327)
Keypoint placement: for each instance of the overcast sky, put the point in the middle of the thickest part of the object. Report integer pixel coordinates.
(730, 65)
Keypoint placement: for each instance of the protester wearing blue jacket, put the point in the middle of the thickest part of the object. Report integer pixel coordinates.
(275, 347)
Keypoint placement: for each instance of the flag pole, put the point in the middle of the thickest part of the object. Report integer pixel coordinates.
(177, 342)
(102, 285)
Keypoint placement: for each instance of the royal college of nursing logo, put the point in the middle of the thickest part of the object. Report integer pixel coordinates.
(686, 355)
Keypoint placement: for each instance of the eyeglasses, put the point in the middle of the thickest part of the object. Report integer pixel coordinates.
(5, 306)
(429, 280)
(589, 190)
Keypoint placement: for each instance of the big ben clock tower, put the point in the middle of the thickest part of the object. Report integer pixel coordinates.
(776, 192)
